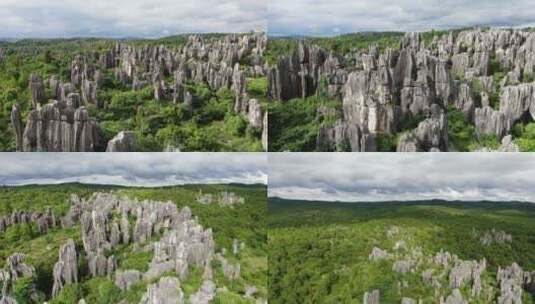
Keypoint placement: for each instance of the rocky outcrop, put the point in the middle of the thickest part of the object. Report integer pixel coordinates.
(430, 135)
(511, 280)
(166, 291)
(58, 128)
(66, 269)
(205, 294)
(43, 221)
(454, 298)
(14, 269)
(127, 278)
(378, 254)
(183, 242)
(265, 132)
(371, 297)
(495, 236)
(37, 90)
(124, 141)
(64, 125)
(16, 122)
(230, 199)
(380, 91)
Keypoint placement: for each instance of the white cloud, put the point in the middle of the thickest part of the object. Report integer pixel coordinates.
(316, 17)
(128, 18)
(402, 176)
(133, 169)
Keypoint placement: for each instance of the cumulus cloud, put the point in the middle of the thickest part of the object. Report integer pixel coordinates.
(128, 18)
(402, 176)
(317, 17)
(133, 169)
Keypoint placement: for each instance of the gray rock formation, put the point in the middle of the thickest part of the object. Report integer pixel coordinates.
(66, 269)
(430, 135)
(454, 298)
(205, 294)
(229, 199)
(37, 90)
(371, 298)
(380, 91)
(124, 141)
(166, 291)
(378, 254)
(127, 278)
(43, 221)
(495, 236)
(511, 280)
(53, 129)
(16, 122)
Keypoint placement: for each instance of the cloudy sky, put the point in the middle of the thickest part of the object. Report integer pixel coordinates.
(402, 176)
(325, 18)
(127, 18)
(132, 169)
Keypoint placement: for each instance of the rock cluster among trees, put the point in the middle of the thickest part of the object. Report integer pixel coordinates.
(64, 124)
(449, 274)
(107, 221)
(486, 74)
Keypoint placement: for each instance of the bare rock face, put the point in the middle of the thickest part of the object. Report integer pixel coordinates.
(511, 280)
(380, 90)
(205, 294)
(66, 269)
(124, 141)
(402, 266)
(430, 135)
(166, 291)
(37, 90)
(495, 236)
(229, 199)
(16, 122)
(371, 298)
(455, 298)
(378, 254)
(125, 279)
(43, 221)
(255, 114)
(56, 129)
(231, 271)
(265, 132)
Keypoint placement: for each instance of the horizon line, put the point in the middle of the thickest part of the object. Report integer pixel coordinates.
(399, 201)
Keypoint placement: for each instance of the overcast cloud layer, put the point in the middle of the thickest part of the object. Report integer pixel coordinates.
(128, 18)
(402, 176)
(132, 169)
(325, 18)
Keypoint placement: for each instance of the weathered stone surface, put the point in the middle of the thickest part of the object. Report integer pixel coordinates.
(43, 221)
(383, 90)
(265, 132)
(166, 291)
(455, 298)
(205, 294)
(511, 280)
(371, 298)
(124, 141)
(37, 90)
(16, 122)
(431, 134)
(125, 279)
(52, 129)
(66, 269)
(378, 254)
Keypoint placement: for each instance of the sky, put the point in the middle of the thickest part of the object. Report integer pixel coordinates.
(326, 18)
(127, 18)
(133, 169)
(369, 177)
